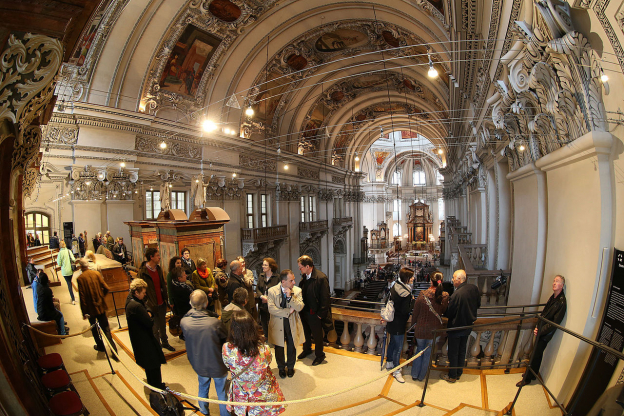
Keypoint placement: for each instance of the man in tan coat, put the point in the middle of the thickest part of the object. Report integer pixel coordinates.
(92, 290)
(285, 302)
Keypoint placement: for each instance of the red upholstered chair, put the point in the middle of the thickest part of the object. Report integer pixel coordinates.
(66, 403)
(47, 362)
(54, 382)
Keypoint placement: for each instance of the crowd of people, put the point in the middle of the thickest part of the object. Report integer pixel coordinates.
(229, 321)
(288, 315)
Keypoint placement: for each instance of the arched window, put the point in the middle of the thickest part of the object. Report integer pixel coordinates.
(38, 223)
(396, 230)
(396, 178)
(419, 177)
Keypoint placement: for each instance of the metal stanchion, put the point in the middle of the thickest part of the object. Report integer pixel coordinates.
(99, 330)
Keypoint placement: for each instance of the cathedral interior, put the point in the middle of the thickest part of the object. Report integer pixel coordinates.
(480, 135)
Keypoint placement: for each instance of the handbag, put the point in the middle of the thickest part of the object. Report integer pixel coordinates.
(431, 307)
(387, 312)
(166, 404)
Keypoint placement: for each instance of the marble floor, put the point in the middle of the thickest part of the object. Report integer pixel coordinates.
(122, 394)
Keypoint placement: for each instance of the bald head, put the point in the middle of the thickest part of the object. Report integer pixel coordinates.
(199, 300)
(235, 267)
(459, 277)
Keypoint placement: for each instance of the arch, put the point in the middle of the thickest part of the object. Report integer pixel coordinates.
(38, 223)
(340, 246)
(314, 253)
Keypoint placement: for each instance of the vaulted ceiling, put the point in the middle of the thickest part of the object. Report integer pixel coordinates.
(323, 77)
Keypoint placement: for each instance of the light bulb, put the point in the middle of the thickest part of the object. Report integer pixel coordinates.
(234, 175)
(209, 125)
(357, 158)
(122, 164)
(440, 151)
(604, 77)
(163, 145)
(88, 183)
(226, 130)
(249, 111)
(196, 180)
(170, 186)
(232, 132)
(286, 167)
(521, 148)
(432, 71)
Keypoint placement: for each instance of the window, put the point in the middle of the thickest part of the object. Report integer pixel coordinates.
(263, 210)
(312, 207)
(152, 204)
(396, 230)
(439, 178)
(441, 209)
(396, 212)
(178, 199)
(303, 213)
(396, 178)
(38, 223)
(419, 177)
(249, 211)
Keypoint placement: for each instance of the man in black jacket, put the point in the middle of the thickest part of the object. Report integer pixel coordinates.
(554, 311)
(236, 279)
(315, 289)
(462, 311)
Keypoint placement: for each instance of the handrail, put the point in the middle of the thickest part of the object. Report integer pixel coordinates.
(356, 300)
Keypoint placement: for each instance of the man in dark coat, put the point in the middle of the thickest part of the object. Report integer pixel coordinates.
(181, 290)
(236, 279)
(54, 241)
(317, 310)
(157, 297)
(147, 351)
(45, 305)
(120, 252)
(554, 311)
(462, 311)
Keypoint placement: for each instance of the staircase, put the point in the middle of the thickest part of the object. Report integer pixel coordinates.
(45, 258)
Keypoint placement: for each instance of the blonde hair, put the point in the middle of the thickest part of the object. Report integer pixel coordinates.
(91, 256)
(62, 244)
(201, 261)
(137, 285)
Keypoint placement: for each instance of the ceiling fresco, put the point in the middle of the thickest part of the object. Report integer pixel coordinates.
(307, 55)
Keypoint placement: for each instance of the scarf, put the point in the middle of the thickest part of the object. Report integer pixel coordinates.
(188, 262)
(204, 275)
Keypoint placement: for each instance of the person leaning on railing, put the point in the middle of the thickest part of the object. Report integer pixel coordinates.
(554, 311)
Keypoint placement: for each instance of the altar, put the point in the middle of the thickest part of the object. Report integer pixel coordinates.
(419, 225)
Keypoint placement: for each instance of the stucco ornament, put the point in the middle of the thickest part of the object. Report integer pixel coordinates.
(553, 93)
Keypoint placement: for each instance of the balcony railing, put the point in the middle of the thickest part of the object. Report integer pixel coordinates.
(312, 226)
(505, 341)
(261, 235)
(378, 245)
(343, 221)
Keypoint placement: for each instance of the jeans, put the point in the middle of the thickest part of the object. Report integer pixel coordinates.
(60, 322)
(394, 349)
(420, 364)
(457, 355)
(68, 279)
(204, 386)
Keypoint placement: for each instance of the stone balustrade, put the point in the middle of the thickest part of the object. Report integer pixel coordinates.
(503, 343)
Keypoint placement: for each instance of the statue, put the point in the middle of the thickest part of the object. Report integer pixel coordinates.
(165, 197)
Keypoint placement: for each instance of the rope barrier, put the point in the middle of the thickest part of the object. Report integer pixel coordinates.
(59, 336)
(257, 404)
